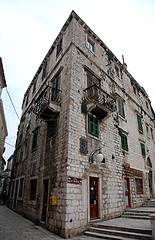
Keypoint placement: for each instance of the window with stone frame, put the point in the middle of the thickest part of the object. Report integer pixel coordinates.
(35, 138)
(139, 120)
(117, 71)
(51, 128)
(124, 140)
(21, 186)
(142, 145)
(59, 47)
(90, 45)
(92, 79)
(93, 126)
(33, 189)
(26, 149)
(121, 111)
(139, 185)
(152, 134)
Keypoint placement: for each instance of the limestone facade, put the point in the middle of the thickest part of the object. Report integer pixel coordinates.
(82, 98)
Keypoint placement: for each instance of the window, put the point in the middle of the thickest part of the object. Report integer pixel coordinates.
(59, 47)
(152, 135)
(55, 82)
(33, 189)
(35, 139)
(147, 130)
(117, 71)
(121, 111)
(93, 127)
(26, 149)
(124, 140)
(34, 86)
(90, 45)
(91, 79)
(139, 185)
(21, 185)
(142, 149)
(51, 128)
(139, 119)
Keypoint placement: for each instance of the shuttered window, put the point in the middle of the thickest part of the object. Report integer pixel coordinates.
(93, 127)
(139, 120)
(121, 111)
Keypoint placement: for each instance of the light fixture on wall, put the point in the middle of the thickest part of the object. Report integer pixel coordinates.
(99, 156)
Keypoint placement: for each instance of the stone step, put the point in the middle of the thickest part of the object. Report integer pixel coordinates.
(114, 233)
(123, 228)
(137, 213)
(135, 216)
(105, 236)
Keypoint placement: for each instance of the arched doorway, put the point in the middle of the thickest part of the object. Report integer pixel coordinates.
(149, 167)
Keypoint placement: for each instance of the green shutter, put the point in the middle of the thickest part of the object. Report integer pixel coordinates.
(124, 142)
(142, 149)
(139, 119)
(93, 126)
(121, 108)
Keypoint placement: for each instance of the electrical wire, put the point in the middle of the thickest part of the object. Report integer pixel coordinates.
(12, 103)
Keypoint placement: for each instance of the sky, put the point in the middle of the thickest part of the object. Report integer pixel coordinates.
(29, 27)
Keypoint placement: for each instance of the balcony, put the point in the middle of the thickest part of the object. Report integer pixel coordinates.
(98, 102)
(48, 103)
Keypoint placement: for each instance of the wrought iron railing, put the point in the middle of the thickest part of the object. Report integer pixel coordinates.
(100, 96)
(49, 95)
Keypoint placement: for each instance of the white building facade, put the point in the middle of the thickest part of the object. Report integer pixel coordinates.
(82, 99)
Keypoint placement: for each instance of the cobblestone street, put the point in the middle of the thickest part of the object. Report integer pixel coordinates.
(15, 227)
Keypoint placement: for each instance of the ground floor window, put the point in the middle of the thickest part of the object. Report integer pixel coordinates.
(139, 185)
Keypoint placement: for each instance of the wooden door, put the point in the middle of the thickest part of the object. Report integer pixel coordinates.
(45, 200)
(93, 188)
(127, 192)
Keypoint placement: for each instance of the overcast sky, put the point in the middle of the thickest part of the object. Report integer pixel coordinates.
(29, 27)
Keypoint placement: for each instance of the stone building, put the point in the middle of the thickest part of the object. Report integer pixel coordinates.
(82, 104)
(3, 126)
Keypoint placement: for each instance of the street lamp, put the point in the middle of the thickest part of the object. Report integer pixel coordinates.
(99, 156)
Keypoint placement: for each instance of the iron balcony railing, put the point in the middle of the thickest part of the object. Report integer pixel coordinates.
(49, 95)
(95, 93)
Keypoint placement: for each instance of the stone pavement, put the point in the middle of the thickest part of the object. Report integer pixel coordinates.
(15, 227)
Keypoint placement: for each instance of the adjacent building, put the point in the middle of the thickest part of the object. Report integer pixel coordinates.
(82, 104)
(3, 127)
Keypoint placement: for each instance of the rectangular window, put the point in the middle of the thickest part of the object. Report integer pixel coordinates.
(142, 149)
(117, 71)
(35, 139)
(51, 128)
(152, 135)
(59, 47)
(139, 185)
(93, 126)
(21, 185)
(91, 79)
(33, 189)
(90, 45)
(121, 111)
(26, 149)
(139, 120)
(124, 141)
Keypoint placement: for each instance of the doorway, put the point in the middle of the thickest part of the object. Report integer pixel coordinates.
(94, 196)
(127, 192)
(45, 200)
(15, 194)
